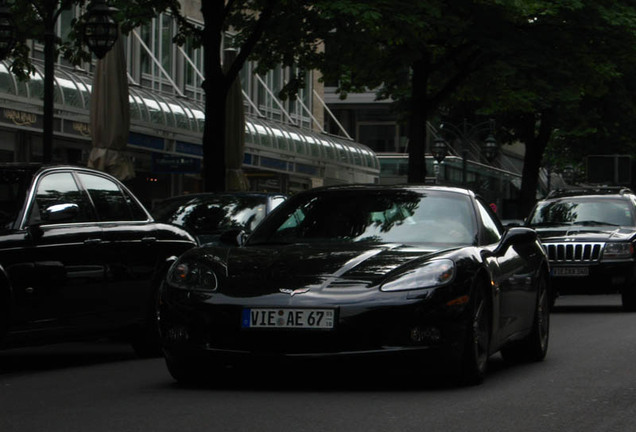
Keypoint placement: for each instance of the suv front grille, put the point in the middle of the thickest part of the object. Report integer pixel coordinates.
(573, 252)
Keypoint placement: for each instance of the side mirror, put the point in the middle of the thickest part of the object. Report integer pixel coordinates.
(515, 235)
(60, 213)
(52, 214)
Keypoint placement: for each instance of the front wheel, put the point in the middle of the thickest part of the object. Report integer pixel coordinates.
(534, 346)
(190, 370)
(474, 358)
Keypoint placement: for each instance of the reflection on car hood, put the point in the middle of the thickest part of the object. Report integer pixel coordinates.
(601, 233)
(258, 270)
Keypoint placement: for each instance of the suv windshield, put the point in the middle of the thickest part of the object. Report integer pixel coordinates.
(583, 211)
(13, 188)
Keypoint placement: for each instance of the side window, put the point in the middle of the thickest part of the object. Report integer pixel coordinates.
(138, 213)
(59, 188)
(109, 200)
(288, 229)
(492, 230)
(276, 201)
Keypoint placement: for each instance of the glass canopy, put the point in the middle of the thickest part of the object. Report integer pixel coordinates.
(166, 112)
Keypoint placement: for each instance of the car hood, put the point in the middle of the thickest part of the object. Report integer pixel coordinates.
(252, 271)
(601, 233)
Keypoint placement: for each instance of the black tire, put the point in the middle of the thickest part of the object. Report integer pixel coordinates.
(534, 346)
(474, 358)
(186, 370)
(628, 297)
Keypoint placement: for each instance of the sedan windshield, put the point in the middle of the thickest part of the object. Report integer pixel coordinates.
(209, 215)
(372, 216)
(584, 212)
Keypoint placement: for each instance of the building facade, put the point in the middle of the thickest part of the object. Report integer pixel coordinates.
(374, 124)
(286, 146)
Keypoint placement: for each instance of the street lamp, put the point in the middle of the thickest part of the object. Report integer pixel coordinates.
(101, 29)
(98, 31)
(439, 149)
(490, 149)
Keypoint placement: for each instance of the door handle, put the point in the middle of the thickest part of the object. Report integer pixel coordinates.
(91, 242)
(149, 239)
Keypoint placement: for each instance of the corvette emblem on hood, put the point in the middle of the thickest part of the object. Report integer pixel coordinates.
(292, 292)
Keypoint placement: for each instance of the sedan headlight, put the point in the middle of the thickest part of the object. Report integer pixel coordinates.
(618, 250)
(193, 275)
(432, 274)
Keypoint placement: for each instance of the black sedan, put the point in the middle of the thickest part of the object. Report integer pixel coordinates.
(79, 257)
(207, 215)
(416, 272)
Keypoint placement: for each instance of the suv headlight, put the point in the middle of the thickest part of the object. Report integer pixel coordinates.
(618, 250)
(194, 275)
(432, 274)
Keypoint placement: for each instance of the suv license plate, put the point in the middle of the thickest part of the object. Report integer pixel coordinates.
(288, 318)
(571, 271)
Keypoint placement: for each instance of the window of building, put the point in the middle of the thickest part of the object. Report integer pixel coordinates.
(381, 137)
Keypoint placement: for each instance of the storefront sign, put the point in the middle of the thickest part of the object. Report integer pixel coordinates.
(20, 118)
(77, 128)
(171, 164)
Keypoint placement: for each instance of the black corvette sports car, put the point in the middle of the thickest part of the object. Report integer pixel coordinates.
(419, 271)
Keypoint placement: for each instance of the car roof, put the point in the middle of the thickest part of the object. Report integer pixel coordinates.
(589, 191)
(396, 187)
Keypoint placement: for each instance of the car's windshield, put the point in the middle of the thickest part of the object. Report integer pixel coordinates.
(583, 211)
(372, 216)
(214, 214)
(13, 189)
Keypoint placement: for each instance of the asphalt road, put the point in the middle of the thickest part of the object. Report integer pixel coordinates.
(587, 383)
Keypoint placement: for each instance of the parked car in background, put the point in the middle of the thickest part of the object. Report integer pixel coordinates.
(79, 256)
(589, 235)
(352, 271)
(208, 215)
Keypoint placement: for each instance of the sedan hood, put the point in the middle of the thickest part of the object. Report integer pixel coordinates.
(601, 233)
(256, 270)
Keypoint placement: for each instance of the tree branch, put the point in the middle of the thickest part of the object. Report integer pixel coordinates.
(251, 41)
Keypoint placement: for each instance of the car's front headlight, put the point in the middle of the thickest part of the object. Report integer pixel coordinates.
(618, 250)
(432, 274)
(192, 274)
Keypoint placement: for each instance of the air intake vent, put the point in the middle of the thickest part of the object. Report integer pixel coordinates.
(573, 252)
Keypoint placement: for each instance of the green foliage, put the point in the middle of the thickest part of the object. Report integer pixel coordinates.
(568, 66)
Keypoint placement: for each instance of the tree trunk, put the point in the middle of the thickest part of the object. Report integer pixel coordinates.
(417, 122)
(535, 147)
(216, 89)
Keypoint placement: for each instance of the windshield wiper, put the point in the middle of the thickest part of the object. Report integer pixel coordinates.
(593, 223)
(550, 224)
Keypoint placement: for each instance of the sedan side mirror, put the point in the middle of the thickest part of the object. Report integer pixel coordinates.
(60, 213)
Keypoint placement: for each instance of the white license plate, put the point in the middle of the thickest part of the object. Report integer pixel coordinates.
(288, 318)
(570, 271)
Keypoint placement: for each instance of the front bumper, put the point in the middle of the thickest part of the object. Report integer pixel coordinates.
(401, 326)
(596, 278)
